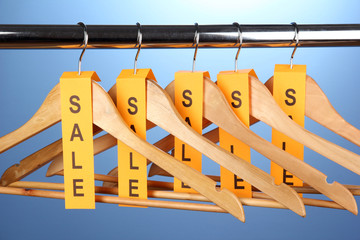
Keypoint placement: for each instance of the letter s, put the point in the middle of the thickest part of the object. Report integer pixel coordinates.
(187, 98)
(75, 104)
(233, 96)
(287, 93)
(131, 104)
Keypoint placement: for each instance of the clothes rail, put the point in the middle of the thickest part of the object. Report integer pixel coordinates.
(177, 36)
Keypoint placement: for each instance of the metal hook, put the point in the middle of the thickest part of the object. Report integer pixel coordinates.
(239, 40)
(196, 41)
(85, 43)
(138, 43)
(296, 38)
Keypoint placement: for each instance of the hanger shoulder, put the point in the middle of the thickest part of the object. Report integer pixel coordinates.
(47, 115)
(217, 110)
(106, 116)
(51, 153)
(319, 109)
(161, 111)
(264, 108)
(31, 163)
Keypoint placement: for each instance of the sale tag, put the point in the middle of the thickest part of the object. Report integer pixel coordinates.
(77, 132)
(189, 91)
(235, 87)
(131, 103)
(289, 93)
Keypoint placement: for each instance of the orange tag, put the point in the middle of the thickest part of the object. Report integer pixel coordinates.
(235, 86)
(189, 91)
(131, 103)
(289, 93)
(77, 132)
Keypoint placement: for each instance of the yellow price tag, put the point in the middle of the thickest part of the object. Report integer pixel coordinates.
(289, 93)
(189, 92)
(77, 132)
(131, 103)
(235, 86)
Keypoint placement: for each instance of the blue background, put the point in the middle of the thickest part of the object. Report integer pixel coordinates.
(26, 77)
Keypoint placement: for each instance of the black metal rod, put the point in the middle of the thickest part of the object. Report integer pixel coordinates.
(176, 36)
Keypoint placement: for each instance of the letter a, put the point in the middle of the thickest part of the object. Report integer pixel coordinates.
(78, 134)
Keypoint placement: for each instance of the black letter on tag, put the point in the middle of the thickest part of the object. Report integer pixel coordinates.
(75, 104)
(73, 162)
(183, 185)
(287, 93)
(183, 154)
(236, 180)
(131, 187)
(236, 105)
(187, 98)
(77, 187)
(78, 134)
(132, 105)
(131, 162)
(187, 119)
(285, 175)
(133, 127)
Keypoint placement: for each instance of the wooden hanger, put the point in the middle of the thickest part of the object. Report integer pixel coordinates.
(162, 113)
(319, 109)
(264, 108)
(106, 116)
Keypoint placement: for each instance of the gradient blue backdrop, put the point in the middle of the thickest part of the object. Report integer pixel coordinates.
(26, 77)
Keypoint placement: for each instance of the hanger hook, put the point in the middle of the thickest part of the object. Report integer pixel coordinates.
(239, 40)
(296, 39)
(85, 43)
(196, 41)
(138, 43)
